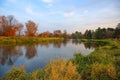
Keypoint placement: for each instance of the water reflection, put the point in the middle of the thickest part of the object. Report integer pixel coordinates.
(90, 45)
(87, 45)
(76, 42)
(35, 56)
(9, 54)
(46, 44)
(31, 51)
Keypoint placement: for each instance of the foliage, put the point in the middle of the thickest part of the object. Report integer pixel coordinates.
(101, 71)
(31, 28)
(9, 26)
(99, 33)
(58, 69)
(61, 70)
(16, 73)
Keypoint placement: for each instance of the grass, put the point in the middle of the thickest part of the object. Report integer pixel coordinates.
(102, 64)
(26, 40)
(59, 69)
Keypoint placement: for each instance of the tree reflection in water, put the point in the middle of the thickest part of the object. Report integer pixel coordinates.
(9, 54)
(87, 45)
(31, 51)
(46, 44)
(90, 45)
(76, 41)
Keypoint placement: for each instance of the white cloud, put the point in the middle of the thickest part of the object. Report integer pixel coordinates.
(69, 14)
(31, 12)
(47, 1)
(12, 1)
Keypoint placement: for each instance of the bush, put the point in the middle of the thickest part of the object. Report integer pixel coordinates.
(16, 73)
(101, 71)
(61, 70)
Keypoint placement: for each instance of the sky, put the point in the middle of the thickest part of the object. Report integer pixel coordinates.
(70, 15)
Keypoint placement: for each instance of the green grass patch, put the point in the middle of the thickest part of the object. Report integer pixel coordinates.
(102, 64)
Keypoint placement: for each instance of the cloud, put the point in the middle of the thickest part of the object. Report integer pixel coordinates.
(31, 12)
(69, 14)
(12, 1)
(47, 1)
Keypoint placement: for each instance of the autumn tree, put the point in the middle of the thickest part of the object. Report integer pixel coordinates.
(20, 27)
(57, 33)
(31, 28)
(65, 34)
(8, 26)
(46, 34)
(76, 35)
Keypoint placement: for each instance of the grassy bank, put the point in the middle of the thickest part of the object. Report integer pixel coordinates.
(26, 40)
(102, 64)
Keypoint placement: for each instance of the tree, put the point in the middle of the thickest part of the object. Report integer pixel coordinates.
(110, 32)
(100, 33)
(8, 26)
(45, 34)
(65, 34)
(117, 31)
(88, 34)
(20, 27)
(57, 33)
(31, 28)
(118, 26)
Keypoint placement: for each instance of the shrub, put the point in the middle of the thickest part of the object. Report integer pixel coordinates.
(61, 70)
(101, 71)
(15, 73)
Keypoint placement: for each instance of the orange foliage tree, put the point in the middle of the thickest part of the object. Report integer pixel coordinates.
(31, 28)
(8, 26)
(57, 33)
(46, 34)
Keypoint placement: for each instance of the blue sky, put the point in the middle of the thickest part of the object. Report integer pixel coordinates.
(72, 15)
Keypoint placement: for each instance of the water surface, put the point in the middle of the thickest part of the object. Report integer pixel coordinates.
(37, 55)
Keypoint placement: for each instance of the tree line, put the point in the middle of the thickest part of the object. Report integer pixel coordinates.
(99, 33)
(9, 26)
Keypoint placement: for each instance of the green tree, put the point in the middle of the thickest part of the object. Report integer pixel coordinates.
(117, 31)
(88, 34)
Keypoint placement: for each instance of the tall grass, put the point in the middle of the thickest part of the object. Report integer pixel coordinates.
(59, 69)
(102, 64)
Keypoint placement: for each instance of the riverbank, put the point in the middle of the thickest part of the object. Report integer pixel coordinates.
(101, 64)
(26, 40)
